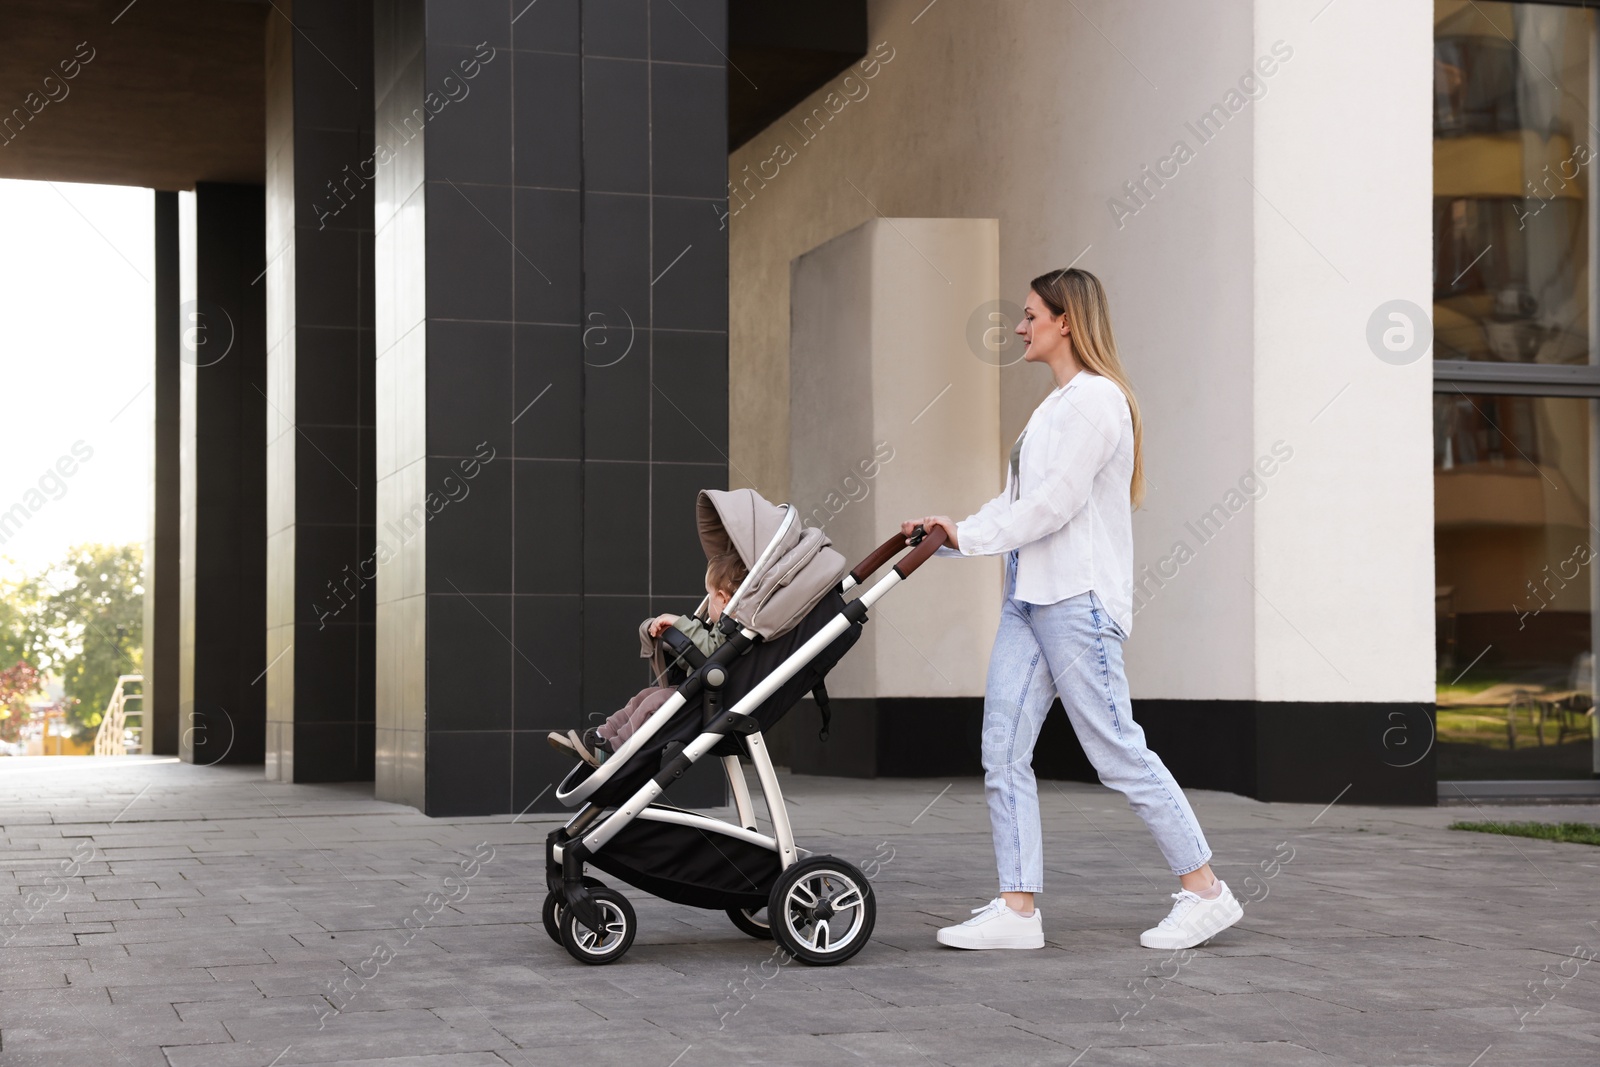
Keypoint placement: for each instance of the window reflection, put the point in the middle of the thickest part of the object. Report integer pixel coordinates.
(1512, 148)
(1513, 561)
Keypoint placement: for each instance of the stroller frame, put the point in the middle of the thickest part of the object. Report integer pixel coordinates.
(596, 924)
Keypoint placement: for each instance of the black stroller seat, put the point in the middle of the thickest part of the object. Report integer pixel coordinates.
(745, 664)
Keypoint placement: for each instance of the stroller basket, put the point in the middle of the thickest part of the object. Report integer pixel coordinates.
(820, 909)
(686, 866)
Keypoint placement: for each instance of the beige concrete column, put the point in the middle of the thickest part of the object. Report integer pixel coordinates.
(893, 414)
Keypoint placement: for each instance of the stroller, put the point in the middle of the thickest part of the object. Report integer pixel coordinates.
(787, 625)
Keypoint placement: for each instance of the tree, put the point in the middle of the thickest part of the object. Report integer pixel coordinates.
(21, 642)
(17, 683)
(21, 638)
(90, 624)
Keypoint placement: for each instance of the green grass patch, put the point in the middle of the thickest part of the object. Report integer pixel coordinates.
(1486, 727)
(1580, 832)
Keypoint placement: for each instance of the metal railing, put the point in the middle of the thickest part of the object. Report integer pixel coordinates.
(113, 738)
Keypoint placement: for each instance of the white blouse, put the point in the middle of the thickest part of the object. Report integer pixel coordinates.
(1068, 516)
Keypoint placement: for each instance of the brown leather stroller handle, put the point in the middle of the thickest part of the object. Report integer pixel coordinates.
(880, 555)
(931, 542)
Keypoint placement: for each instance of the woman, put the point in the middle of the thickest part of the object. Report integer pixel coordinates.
(1065, 527)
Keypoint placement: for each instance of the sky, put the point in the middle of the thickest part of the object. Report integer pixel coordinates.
(76, 351)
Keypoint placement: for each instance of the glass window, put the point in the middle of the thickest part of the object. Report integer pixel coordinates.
(1512, 559)
(1514, 530)
(1512, 148)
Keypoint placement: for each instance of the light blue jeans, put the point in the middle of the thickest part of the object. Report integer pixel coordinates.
(1072, 649)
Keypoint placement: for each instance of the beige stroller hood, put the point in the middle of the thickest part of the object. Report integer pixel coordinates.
(800, 570)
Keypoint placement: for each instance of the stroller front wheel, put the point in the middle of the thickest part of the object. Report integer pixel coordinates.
(822, 910)
(551, 912)
(608, 944)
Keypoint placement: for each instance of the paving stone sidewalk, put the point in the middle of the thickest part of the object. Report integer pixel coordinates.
(164, 915)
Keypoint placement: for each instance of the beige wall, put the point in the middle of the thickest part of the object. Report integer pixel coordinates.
(1018, 111)
(886, 405)
(1343, 577)
(1038, 114)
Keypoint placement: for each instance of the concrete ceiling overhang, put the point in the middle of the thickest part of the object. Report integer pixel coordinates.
(780, 53)
(173, 91)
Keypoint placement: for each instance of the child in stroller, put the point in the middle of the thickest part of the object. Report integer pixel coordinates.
(724, 573)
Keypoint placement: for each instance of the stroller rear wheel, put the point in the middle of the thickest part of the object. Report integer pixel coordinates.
(551, 912)
(822, 910)
(752, 921)
(617, 927)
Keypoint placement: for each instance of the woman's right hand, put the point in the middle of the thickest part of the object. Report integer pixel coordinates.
(928, 522)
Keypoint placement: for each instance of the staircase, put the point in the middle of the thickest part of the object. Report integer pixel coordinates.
(112, 740)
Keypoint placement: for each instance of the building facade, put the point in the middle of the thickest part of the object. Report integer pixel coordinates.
(461, 303)
(1248, 205)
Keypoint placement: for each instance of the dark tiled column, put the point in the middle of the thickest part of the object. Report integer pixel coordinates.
(553, 293)
(320, 491)
(222, 448)
(161, 571)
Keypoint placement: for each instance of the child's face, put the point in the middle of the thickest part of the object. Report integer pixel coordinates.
(718, 600)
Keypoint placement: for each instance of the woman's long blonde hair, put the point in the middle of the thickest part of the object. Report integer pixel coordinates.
(1081, 296)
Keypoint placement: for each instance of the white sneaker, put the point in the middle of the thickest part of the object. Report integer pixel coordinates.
(995, 926)
(1194, 920)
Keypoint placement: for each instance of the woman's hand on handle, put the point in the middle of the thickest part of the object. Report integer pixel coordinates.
(928, 523)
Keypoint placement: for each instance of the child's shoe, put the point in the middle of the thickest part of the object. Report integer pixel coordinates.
(569, 741)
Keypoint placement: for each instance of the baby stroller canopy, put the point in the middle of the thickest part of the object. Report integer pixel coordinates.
(800, 570)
